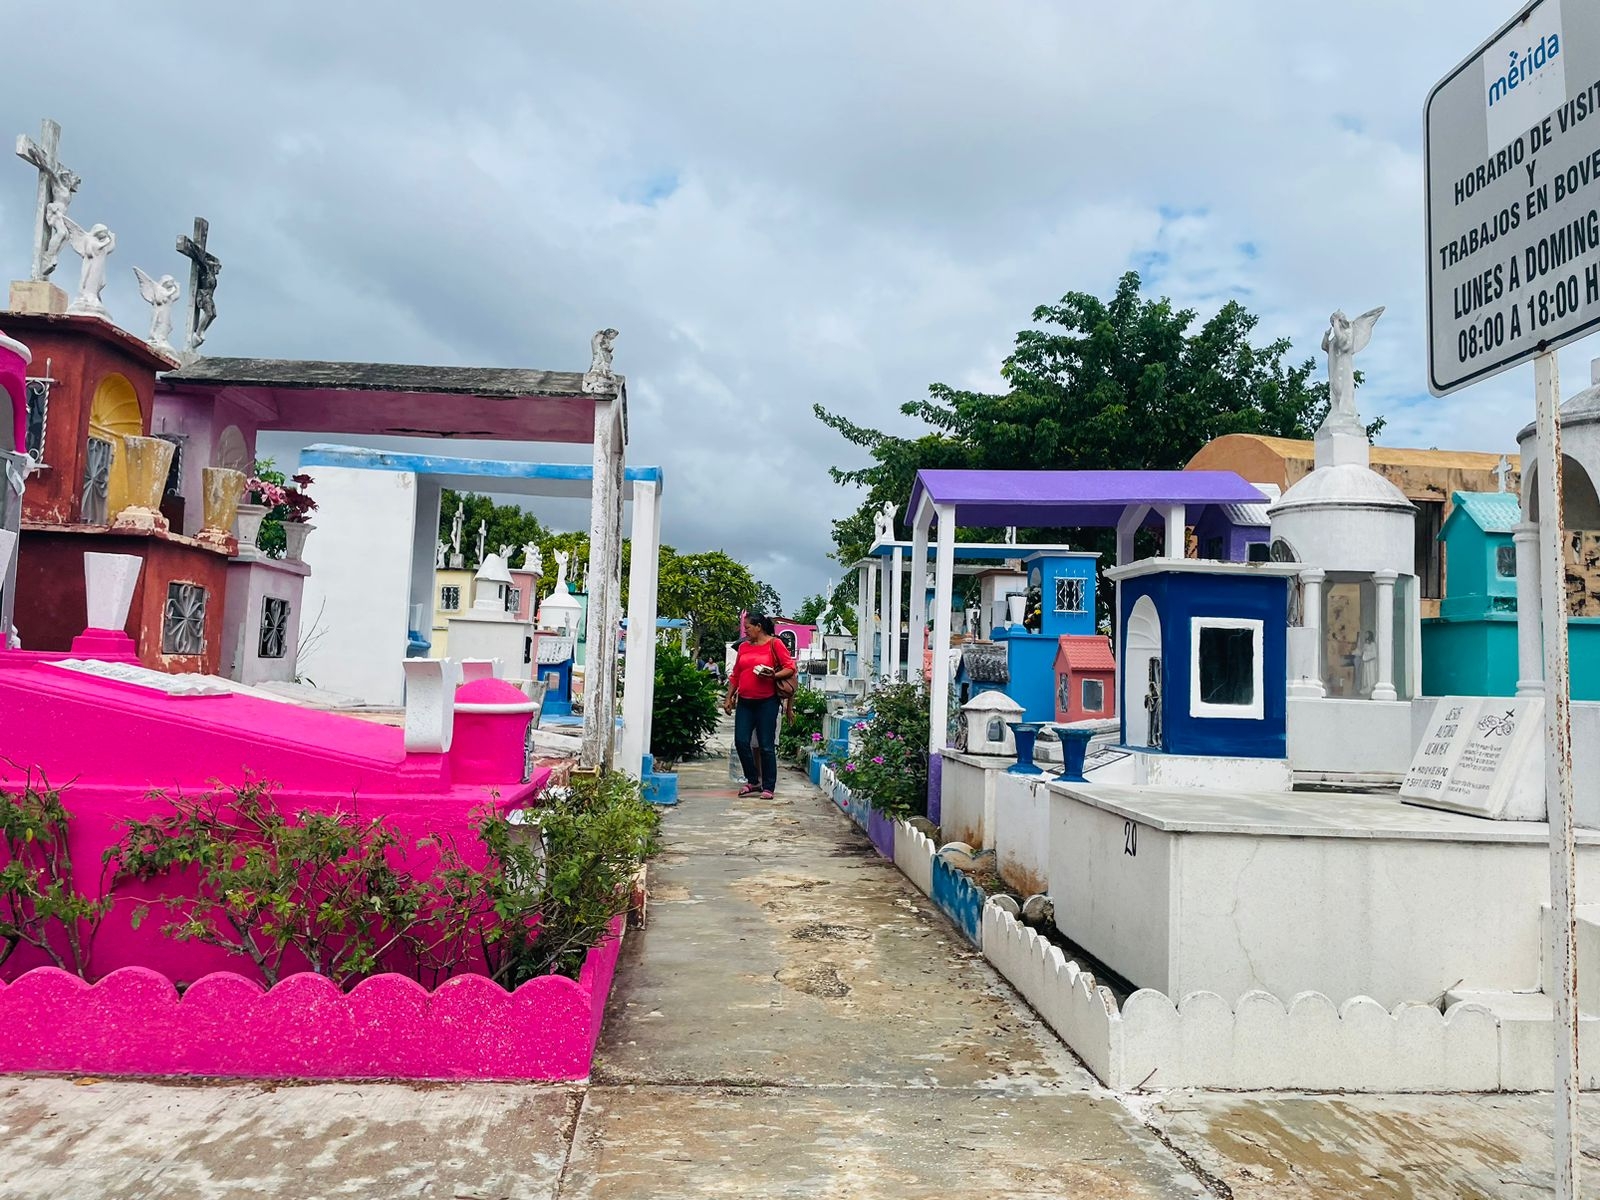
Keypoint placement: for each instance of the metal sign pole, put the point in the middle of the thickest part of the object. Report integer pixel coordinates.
(1558, 770)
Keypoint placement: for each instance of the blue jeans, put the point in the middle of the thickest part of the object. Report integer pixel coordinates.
(758, 719)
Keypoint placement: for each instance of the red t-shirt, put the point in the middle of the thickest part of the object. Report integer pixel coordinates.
(746, 682)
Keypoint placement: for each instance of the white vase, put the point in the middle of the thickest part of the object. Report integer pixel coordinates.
(294, 536)
(247, 523)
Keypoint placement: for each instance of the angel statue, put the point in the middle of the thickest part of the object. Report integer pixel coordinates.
(599, 377)
(884, 522)
(160, 294)
(438, 555)
(92, 246)
(1344, 340)
(561, 587)
(532, 560)
(505, 552)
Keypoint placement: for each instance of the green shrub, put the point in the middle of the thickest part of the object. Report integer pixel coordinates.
(40, 904)
(549, 912)
(335, 893)
(687, 707)
(795, 735)
(889, 764)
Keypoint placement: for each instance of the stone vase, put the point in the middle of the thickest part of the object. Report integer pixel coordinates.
(294, 536)
(247, 522)
(223, 487)
(146, 461)
(1016, 609)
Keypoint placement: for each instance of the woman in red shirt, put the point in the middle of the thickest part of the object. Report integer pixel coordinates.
(753, 699)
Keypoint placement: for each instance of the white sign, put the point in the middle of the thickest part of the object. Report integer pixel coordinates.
(1513, 195)
(181, 687)
(1481, 756)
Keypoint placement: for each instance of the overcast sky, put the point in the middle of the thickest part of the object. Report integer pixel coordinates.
(776, 203)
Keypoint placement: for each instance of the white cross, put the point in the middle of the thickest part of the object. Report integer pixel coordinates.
(1502, 471)
(42, 156)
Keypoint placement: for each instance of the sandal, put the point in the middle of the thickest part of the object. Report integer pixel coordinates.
(748, 790)
(766, 795)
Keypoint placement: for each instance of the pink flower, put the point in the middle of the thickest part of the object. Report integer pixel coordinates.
(148, 849)
(816, 737)
(849, 766)
(878, 758)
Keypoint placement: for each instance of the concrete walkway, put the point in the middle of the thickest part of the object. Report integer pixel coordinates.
(795, 1021)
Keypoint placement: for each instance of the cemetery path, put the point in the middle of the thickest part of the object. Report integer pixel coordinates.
(794, 1021)
(797, 1020)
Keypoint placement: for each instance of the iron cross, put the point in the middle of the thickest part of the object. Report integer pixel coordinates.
(52, 173)
(203, 271)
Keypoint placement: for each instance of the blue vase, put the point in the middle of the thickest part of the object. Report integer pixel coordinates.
(1074, 746)
(1025, 732)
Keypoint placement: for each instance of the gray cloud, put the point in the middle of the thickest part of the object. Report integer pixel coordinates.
(777, 204)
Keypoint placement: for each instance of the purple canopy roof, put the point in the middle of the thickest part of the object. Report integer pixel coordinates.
(1070, 499)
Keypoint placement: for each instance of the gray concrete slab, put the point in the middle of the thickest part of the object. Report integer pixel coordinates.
(1289, 1147)
(652, 1143)
(77, 1140)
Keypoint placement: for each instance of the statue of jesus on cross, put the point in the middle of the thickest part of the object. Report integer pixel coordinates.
(202, 283)
(57, 183)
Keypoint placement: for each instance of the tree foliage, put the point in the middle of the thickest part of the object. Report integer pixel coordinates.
(1127, 383)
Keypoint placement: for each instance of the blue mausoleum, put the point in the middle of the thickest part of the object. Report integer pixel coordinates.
(1204, 657)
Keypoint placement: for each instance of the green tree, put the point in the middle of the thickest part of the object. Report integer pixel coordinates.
(1128, 383)
(507, 525)
(810, 609)
(710, 590)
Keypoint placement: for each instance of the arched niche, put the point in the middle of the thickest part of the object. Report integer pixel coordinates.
(1141, 662)
(1580, 504)
(113, 415)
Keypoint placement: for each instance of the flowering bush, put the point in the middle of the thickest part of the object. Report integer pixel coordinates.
(801, 730)
(288, 500)
(888, 766)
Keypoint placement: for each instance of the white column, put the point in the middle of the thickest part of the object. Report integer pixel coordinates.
(897, 572)
(939, 677)
(1174, 519)
(639, 672)
(863, 621)
(605, 556)
(920, 522)
(1383, 689)
(1530, 651)
(1309, 655)
(884, 616)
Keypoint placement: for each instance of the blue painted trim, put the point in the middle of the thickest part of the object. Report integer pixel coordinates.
(360, 458)
(959, 899)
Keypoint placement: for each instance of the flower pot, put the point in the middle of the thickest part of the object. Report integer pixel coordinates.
(223, 488)
(247, 523)
(146, 460)
(294, 536)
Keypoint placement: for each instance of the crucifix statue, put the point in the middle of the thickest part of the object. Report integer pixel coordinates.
(483, 538)
(56, 185)
(1502, 472)
(202, 283)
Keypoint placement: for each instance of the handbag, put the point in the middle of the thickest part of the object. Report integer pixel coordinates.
(784, 689)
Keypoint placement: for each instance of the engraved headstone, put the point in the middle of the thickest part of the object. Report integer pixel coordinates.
(1481, 757)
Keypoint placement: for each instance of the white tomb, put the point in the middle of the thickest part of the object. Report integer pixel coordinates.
(489, 629)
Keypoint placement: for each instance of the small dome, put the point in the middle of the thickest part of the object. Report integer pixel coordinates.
(1581, 408)
(490, 691)
(493, 570)
(992, 701)
(1349, 485)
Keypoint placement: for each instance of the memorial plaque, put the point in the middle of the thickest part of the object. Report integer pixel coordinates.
(1482, 758)
(181, 687)
(1441, 748)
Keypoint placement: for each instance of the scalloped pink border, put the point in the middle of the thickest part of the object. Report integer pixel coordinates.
(133, 1022)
